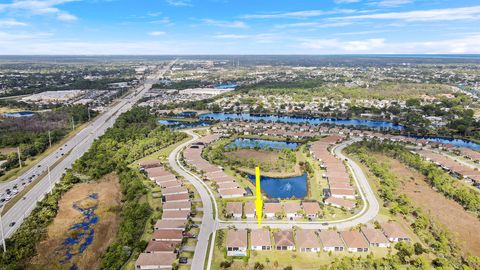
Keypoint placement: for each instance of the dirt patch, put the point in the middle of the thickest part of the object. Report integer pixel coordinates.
(7, 150)
(107, 200)
(259, 155)
(462, 225)
(272, 163)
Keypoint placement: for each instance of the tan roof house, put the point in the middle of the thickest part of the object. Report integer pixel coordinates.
(284, 240)
(394, 232)
(155, 261)
(311, 209)
(307, 241)
(375, 237)
(331, 241)
(355, 241)
(233, 210)
(260, 239)
(237, 243)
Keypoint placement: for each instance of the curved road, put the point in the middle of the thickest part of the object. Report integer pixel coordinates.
(210, 225)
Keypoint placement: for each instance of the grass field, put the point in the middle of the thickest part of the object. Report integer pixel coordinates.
(280, 259)
(462, 224)
(270, 162)
(51, 251)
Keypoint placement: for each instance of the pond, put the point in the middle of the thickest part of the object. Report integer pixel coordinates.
(263, 144)
(283, 188)
(183, 124)
(301, 120)
(18, 114)
(455, 142)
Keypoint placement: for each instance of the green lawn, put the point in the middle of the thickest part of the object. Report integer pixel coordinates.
(280, 259)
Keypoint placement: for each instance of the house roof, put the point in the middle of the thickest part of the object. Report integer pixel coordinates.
(234, 208)
(311, 208)
(163, 224)
(354, 239)
(177, 205)
(260, 237)
(156, 259)
(249, 208)
(149, 163)
(237, 238)
(307, 239)
(374, 236)
(340, 202)
(393, 230)
(272, 207)
(177, 197)
(181, 214)
(330, 239)
(162, 246)
(167, 234)
(291, 207)
(284, 238)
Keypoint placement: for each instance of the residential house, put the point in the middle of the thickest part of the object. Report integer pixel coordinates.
(311, 209)
(249, 210)
(260, 239)
(331, 241)
(394, 232)
(155, 261)
(307, 241)
(271, 209)
(292, 210)
(284, 240)
(167, 235)
(234, 210)
(375, 237)
(237, 243)
(355, 241)
(170, 225)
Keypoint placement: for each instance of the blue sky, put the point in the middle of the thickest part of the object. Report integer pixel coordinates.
(239, 26)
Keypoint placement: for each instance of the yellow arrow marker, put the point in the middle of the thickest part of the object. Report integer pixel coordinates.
(258, 194)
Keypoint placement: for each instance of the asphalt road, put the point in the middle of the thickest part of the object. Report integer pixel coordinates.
(75, 148)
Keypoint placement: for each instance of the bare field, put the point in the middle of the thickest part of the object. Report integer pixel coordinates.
(269, 161)
(462, 224)
(51, 250)
(7, 150)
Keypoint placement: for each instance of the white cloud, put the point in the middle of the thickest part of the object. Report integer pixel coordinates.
(296, 14)
(66, 17)
(230, 36)
(258, 38)
(346, 1)
(11, 22)
(226, 24)
(463, 45)
(392, 3)
(312, 25)
(180, 3)
(345, 46)
(38, 7)
(156, 33)
(447, 14)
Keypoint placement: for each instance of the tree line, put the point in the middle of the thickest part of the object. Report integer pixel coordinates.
(134, 135)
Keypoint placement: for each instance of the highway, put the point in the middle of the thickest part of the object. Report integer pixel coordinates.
(210, 224)
(73, 150)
